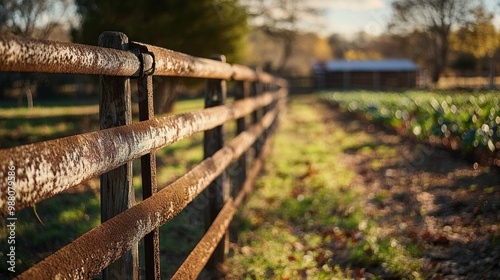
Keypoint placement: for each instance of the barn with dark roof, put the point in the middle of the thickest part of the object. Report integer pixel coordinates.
(383, 74)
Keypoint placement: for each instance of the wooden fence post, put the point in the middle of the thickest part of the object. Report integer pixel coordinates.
(242, 92)
(257, 89)
(117, 191)
(148, 163)
(218, 191)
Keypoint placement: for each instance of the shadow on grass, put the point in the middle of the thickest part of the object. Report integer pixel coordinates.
(65, 217)
(69, 215)
(21, 131)
(425, 198)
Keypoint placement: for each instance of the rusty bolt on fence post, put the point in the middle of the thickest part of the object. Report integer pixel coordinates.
(218, 191)
(117, 191)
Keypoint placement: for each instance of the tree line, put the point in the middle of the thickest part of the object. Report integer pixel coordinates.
(437, 34)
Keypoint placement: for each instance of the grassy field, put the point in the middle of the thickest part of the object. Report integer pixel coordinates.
(346, 199)
(70, 214)
(63, 118)
(306, 219)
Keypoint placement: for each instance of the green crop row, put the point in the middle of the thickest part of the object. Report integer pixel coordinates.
(461, 121)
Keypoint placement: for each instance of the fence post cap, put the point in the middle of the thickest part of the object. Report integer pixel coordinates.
(114, 38)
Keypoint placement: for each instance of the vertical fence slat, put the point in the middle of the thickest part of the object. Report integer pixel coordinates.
(218, 191)
(117, 192)
(148, 174)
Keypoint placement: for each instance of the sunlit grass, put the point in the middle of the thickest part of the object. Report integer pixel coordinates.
(69, 215)
(41, 112)
(302, 198)
(305, 203)
(64, 217)
(188, 105)
(306, 219)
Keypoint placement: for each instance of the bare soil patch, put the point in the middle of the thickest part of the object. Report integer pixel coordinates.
(423, 196)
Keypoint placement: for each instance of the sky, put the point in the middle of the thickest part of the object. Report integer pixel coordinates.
(348, 17)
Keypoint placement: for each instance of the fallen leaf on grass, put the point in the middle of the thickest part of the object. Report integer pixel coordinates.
(302, 273)
(441, 240)
(426, 235)
(321, 259)
(359, 272)
(311, 171)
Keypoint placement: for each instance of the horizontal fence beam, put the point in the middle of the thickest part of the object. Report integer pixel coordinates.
(18, 54)
(172, 63)
(200, 255)
(96, 249)
(245, 73)
(48, 168)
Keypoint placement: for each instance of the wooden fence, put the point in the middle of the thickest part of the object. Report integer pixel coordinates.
(45, 169)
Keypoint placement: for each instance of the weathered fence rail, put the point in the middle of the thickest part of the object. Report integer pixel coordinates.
(51, 167)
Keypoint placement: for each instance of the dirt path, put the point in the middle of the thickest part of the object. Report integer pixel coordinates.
(424, 197)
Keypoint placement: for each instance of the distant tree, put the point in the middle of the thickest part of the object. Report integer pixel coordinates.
(387, 47)
(365, 46)
(337, 44)
(362, 55)
(195, 27)
(416, 45)
(35, 19)
(31, 18)
(309, 48)
(281, 20)
(478, 38)
(322, 49)
(265, 52)
(464, 62)
(437, 18)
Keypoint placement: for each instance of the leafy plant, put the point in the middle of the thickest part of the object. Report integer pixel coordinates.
(465, 122)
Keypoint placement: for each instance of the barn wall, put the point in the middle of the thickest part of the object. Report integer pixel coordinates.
(369, 80)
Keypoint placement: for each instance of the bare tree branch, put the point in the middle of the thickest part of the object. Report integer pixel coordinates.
(281, 20)
(435, 17)
(32, 18)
